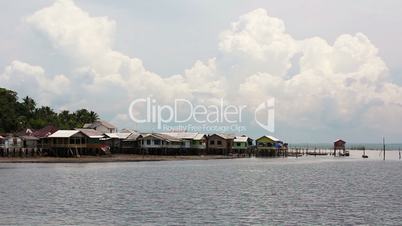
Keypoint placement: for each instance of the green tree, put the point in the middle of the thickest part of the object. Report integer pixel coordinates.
(8, 110)
(28, 105)
(65, 120)
(93, 116)
(44, 116)
(26, 111)
(15, 115)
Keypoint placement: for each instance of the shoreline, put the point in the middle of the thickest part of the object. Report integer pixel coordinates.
(112, 158)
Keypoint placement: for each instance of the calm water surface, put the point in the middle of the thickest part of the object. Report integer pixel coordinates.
(321, 190)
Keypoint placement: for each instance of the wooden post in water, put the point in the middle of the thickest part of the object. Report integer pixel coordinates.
(383, 147)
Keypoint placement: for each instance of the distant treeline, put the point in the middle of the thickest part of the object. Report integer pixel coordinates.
(16, 115)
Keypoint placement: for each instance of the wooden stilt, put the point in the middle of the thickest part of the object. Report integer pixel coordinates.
(383, 146)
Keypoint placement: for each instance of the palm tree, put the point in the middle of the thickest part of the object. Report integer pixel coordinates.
(29, 104)
(93, 116)
(65, 120)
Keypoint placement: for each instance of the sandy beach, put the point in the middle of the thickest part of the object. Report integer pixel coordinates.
(112, 158)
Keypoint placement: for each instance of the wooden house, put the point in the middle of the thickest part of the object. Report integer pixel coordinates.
(114, 141)
(75, 142)
(268, 146)
(43, 133)
(21, 146)
(242, 144)
(127, 141)
(267, 142)
(220, 144)
(23, 139)
(101, 126)
(29, 141)
(2, 140)
(340, 146)
(160, 144)
(192, 143)
(13, 141)
(132, 144)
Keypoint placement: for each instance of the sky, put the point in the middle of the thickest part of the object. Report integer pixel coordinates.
(333, 67)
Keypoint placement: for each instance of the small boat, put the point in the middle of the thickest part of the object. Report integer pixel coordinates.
(344, 153)
(364, 154)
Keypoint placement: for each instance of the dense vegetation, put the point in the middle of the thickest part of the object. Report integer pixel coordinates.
(16, 115)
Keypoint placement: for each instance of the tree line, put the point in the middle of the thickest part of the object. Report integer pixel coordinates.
(16, 115)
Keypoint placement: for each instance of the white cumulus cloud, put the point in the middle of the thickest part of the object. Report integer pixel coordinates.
(314, 82)
(33, 81)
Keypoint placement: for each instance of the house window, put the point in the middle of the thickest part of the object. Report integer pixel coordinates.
(238, 144)
(148, 142)
(219, 142)
(157, 142)
(212, 142)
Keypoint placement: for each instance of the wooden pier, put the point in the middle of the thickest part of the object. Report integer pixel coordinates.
(21, 152)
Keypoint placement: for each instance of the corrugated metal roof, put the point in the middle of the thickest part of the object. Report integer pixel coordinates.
(29, 138)
(270, 137)
(225, 136)
(241, 139)
(97, 123)
(45, 131)
(118, 135)
(185, 135)
(91, 133)
(340, 140)
(125, 130)
(63, 133)
(133, 136)
(87, 125)
(108, 125)
(199, 136)
(162, 136)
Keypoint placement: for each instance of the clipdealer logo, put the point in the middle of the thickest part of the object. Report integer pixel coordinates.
(267, 121)
(183, 111)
